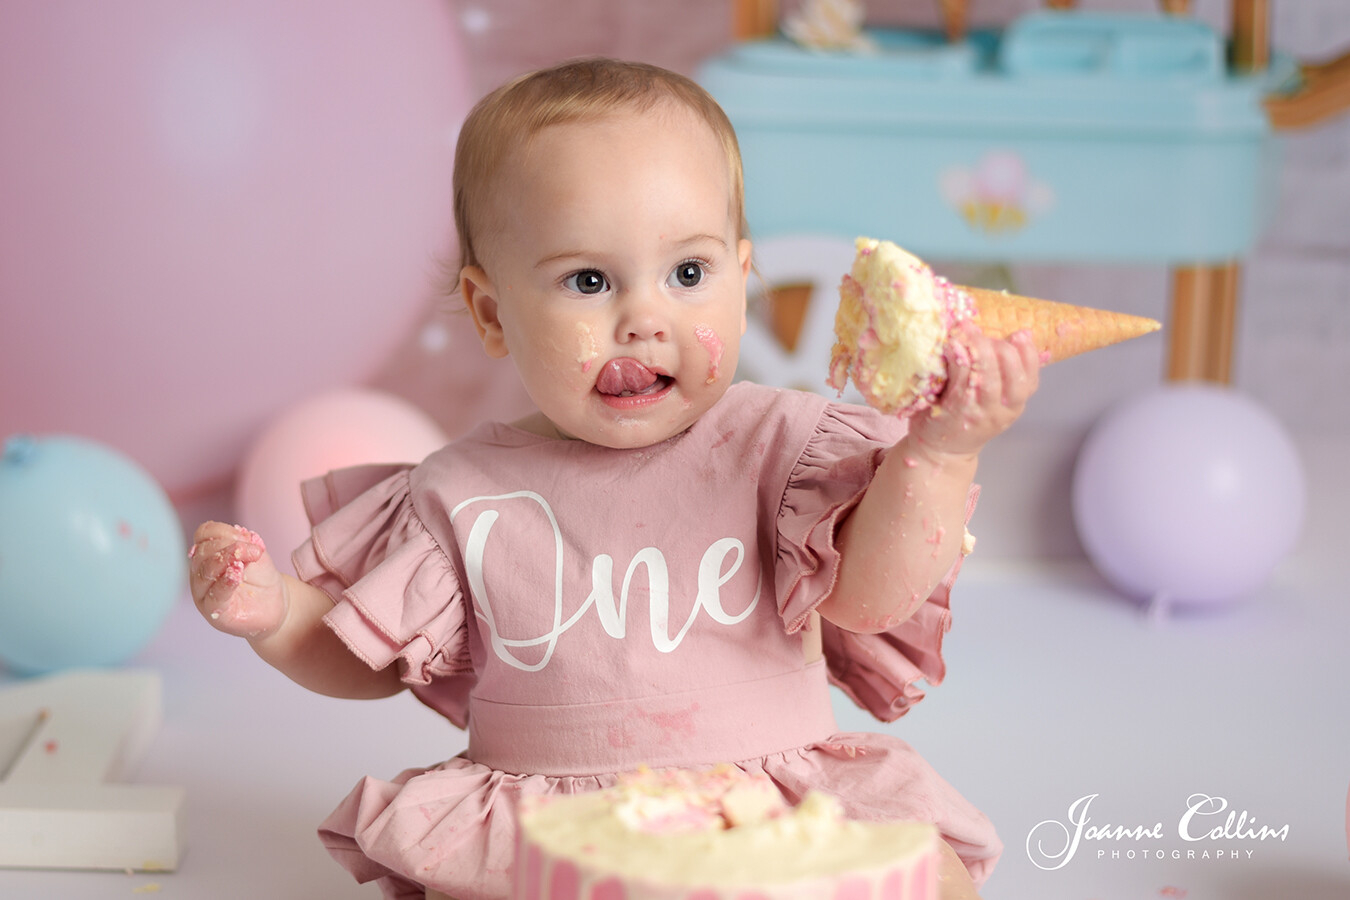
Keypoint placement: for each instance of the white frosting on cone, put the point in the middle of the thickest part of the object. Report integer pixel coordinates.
(892, 326)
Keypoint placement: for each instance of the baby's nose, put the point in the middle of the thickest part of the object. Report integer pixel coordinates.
(641, 318)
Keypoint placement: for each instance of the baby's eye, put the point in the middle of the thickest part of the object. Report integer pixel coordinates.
(587, 281)
(687, 274)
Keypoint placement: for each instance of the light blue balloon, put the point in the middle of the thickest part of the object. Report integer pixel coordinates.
(92, 555)
(1190, 493)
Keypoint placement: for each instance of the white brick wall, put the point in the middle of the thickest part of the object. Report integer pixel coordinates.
(1295, 331)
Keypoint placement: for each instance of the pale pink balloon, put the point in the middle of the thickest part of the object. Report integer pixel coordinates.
(213, 209)
(333, 430)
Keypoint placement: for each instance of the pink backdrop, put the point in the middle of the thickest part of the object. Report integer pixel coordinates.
(213, 209)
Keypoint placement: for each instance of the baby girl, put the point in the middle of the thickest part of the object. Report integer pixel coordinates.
(657, 567)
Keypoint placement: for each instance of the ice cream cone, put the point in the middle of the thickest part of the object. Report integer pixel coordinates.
(1060, 330)
(896, 317)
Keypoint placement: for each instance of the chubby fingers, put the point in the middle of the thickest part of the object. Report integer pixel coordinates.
(989, 380)
(974, 371)
(961, 384)
(218, 556)
(1019, 367)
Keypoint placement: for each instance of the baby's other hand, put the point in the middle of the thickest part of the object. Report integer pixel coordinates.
(988, 384)
(234, 582)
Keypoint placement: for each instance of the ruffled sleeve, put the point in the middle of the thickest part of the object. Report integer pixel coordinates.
(876, 671)
(397, 598)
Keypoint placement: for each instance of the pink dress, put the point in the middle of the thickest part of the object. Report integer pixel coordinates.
(584, 611)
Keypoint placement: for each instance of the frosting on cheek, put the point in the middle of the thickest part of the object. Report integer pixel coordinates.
(711, 342)
(587, 351)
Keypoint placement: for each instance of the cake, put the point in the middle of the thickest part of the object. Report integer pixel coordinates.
(720, 834)
(895, 316)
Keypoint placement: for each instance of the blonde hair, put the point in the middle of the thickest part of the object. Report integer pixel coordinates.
(573, 91)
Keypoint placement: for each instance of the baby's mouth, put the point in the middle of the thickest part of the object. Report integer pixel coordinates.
(626, 377)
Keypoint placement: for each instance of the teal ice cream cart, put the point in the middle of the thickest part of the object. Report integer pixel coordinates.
(1067, 137)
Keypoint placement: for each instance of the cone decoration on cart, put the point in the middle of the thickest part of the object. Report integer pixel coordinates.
(895, 317)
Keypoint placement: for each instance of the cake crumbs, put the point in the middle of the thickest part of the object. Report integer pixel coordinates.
(936, 540)
(234, 573)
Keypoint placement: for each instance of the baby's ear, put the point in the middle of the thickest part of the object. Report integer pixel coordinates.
(481, 298)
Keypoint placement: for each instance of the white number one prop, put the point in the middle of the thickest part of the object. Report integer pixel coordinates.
(65, 741)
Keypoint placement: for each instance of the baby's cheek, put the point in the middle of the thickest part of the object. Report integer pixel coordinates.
(588, 349)
(713, 344)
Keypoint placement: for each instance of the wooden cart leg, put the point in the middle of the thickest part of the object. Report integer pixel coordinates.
(1203, 323)
(751, 19)
(1251, 35)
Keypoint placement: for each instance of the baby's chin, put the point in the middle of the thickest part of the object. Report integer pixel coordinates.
(644, 428)
(629, 434)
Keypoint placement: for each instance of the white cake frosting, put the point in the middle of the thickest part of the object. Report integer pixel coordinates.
(716, 835)
(892, 326)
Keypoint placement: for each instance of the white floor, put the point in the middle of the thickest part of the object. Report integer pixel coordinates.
(1057, 690)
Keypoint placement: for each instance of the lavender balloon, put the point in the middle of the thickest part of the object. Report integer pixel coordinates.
(1191, 493)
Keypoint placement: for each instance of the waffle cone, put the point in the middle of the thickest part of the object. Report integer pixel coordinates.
(1060, 330)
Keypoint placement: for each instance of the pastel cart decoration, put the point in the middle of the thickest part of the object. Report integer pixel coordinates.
(92, 555)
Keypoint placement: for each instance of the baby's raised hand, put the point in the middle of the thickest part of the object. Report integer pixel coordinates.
(234, 582)
(988, 384)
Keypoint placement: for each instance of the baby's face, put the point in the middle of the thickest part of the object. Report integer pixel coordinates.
(614, 275)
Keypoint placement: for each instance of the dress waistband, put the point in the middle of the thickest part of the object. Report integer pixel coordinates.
(728, 723)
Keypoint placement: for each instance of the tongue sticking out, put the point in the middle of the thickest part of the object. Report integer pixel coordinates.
(625, 375)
